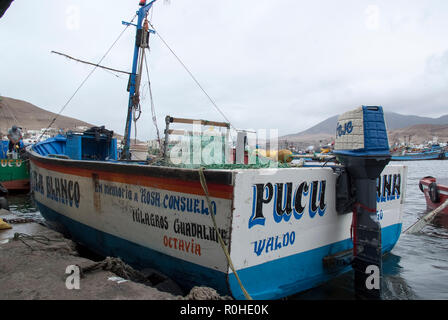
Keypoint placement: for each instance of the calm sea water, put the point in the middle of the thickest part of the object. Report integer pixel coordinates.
(417, 267)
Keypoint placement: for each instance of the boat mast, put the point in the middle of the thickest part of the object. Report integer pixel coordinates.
(134, 81)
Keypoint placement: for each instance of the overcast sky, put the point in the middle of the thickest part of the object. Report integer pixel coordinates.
(283, 64)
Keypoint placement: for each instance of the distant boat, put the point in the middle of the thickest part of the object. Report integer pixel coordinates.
(436, 193)
(433, 153)
(14, 171)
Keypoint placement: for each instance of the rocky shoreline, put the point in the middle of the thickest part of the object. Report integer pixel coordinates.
(35, 263)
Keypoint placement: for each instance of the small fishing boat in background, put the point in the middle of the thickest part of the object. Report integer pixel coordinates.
(435, 152)
(14, 169)
(436, 192)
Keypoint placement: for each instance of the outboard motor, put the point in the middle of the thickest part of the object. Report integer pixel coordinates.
(362, 147)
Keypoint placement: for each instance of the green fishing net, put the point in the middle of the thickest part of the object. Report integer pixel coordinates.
(216, 155)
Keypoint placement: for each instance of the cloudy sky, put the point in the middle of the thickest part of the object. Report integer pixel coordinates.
(283, 64)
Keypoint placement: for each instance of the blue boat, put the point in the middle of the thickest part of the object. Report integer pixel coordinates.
(261, 231)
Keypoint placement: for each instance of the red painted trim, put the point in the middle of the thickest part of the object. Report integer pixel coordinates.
(443, 197)
(176, 185)
(17, 184)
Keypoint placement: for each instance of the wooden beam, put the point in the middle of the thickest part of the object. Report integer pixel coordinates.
(199, 133)
(202, 122)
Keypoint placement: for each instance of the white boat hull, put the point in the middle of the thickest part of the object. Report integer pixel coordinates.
(158, 217)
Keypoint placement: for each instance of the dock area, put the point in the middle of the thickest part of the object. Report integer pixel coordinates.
(34, 260)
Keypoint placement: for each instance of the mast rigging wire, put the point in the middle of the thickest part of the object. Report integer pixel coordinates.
(85, 80)
(153, 112)
(90, 63)
(192, 76)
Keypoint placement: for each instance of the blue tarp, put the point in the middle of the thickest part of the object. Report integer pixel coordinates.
(4, 148)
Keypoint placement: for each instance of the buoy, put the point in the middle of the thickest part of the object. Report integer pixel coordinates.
(4, 225)
(4, 203)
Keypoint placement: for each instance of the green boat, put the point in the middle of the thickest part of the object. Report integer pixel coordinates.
(14, 173)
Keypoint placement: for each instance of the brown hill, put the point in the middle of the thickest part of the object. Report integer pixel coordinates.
(419, 134)
(400, 127)
(30, 117)
(305, 140)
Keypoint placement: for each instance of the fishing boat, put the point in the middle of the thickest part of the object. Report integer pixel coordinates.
(433, 153)
(261, 230)
(435, 191)
(14, 169)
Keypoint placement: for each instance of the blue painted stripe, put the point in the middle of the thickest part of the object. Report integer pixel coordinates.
(287, 276)
(184, 273)
(271, 280)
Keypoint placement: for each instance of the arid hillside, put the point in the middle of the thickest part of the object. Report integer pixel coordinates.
(419, 134)
(30, 117)
(401, 128)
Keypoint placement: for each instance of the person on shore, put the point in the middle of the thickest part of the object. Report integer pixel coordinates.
(14, 136)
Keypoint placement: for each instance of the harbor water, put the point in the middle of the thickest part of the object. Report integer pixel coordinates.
(417, 267)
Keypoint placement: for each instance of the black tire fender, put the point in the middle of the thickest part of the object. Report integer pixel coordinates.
(420, 185)
(434, 193)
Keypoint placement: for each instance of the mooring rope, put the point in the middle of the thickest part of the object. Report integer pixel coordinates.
(221, 242)
(20, 220)
(117, 266)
